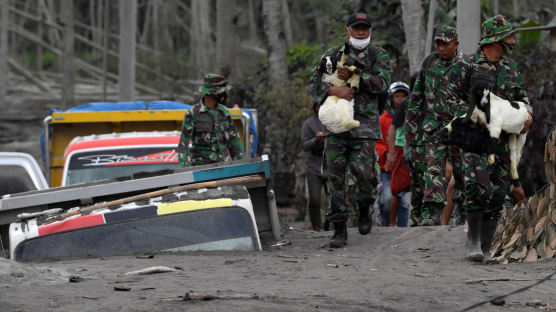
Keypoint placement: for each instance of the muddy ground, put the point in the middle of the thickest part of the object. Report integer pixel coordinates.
(392, 269)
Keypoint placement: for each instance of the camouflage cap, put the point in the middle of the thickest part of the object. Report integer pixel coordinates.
(214, 84)
(495, 29)
(445, 33)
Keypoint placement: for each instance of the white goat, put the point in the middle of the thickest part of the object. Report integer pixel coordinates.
(499, 114)
(336, 114)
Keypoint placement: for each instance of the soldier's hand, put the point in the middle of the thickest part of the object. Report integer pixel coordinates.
(518, 194)
(343, 92)
(409, 137)
(344, 73)
(527, 124)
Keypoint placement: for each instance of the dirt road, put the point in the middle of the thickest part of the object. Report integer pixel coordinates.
(392, 269)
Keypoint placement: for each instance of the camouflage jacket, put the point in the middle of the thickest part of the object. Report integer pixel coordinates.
(212, 135)
(502, 77)
(375, 79)
(425, 113)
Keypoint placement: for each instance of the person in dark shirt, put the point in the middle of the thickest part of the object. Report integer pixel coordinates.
(312, 139)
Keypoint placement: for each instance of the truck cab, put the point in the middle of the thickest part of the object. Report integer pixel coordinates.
(119, 155)
(19, 172)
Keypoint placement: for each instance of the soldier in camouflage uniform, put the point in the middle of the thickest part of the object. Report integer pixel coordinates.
(425, 117)
(209, 127)
(349, 158)
(485, 185)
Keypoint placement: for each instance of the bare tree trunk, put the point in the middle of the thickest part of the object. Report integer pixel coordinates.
(430, 27)
(278, 69)
(252, 21)
(201, 43)
(319, 29)
(144, 39)
(40, 35)
(156, 41)
(105, 38)
(96, 12)
(128, 32)
(412, 16)
(225, 37)
(515, 7)
(287, 23)
(67, 56)
(4, 22)
(496, 7)
(469, 25)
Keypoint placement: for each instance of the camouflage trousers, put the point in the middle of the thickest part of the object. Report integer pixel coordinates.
(484, 184)
(417, 167)
(437, 153)
(457, 173)
(351, 172)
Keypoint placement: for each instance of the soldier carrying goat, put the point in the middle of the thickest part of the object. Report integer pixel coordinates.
(488, 72)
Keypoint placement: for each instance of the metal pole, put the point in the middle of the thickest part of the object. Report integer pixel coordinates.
(105, 51)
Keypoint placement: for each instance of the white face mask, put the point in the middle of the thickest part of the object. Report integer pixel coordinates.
(359, 44)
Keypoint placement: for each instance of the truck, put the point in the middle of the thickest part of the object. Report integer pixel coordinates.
(61, 127)
(204, 207)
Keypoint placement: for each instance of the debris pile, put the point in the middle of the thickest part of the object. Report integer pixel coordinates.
(528, 231)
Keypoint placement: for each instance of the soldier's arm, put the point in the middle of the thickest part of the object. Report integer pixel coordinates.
(186, 134)
(317, 88)
(234, 143)
(377, 78)
(416, 106)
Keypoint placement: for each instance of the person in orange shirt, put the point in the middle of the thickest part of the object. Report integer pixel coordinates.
(396, 94)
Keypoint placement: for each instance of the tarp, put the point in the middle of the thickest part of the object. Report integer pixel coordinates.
(123, 106)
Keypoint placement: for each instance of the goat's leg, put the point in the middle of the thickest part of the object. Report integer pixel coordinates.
(354, 81)
(514, 159)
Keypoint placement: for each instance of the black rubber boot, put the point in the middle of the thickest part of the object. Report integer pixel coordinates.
(426, 217)
(339, 239)
(436, 215)
(432, 214)
(474, 225)
(490, 221)
(365, 223)
(415, 216)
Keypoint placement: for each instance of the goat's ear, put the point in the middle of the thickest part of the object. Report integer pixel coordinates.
(322, 65)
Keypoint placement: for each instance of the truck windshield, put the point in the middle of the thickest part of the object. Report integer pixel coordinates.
(92, 166)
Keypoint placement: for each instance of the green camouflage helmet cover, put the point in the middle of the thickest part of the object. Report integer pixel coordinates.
(214, 84)
(495, 29)
(446, 33)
